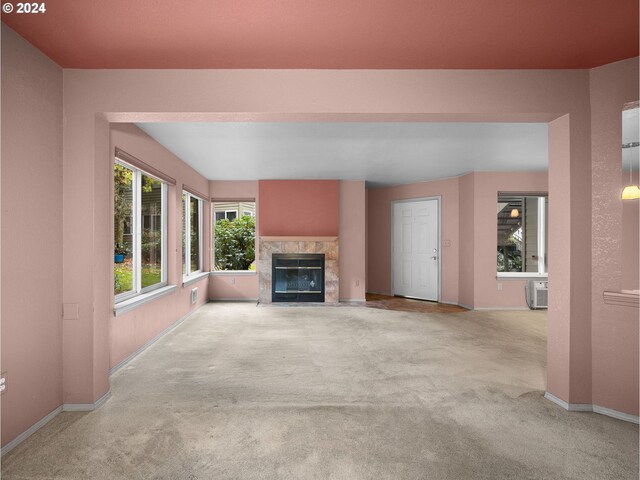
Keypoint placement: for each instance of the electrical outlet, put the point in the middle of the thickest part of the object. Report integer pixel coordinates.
(3, 382)
(233, 280)
(499, 287)
(357, 283)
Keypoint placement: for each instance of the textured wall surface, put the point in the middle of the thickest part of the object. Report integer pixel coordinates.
(614, 328)
(31, 234)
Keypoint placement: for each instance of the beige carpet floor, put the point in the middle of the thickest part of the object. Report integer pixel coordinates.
(239, 392)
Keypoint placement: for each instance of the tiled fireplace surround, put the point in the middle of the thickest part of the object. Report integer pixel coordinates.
(267, 246)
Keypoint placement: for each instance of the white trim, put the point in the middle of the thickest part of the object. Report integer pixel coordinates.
(501, 308)
(361, 300)
(139, 300)
(438, 199)
(136, 233)
(31, 430)
(609, 412)
(117, 367)
(588, 407)
(521, 275)
(87, 407)
(247, 300)
(234, 273)
(189, 279)
(67, 407)
(542, 233)
(187, 235)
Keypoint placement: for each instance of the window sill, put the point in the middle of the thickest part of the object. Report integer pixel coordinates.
(521, 276)
(139, 300)
(194, 278)
(234, 273)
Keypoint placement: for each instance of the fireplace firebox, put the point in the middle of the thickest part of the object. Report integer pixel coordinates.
(297, 277)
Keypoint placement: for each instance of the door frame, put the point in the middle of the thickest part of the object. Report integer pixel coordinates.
(438, 199)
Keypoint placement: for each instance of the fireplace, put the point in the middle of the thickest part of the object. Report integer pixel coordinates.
(297, 277)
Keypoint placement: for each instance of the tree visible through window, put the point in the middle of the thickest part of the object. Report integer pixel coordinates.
(139, 231)
(234, 237)
(191, 234)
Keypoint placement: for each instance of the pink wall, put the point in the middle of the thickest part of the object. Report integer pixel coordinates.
(364, 95)
(130, 331)
(466, 197)
(352, 240)
(485, 195)
(468, 223)
(312, 203)
(31, 235)
(93, 98)
(231, 286)
(614, 333)
(379, 233)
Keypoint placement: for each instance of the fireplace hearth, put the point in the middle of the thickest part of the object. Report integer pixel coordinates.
(297, 277)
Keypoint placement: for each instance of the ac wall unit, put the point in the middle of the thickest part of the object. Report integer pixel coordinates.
(538, 294)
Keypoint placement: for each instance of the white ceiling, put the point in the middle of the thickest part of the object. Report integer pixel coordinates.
(380, 153)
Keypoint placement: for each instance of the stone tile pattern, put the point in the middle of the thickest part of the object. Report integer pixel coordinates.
(331, 264)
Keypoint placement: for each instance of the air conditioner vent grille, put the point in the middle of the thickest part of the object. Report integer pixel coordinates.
(537, 294)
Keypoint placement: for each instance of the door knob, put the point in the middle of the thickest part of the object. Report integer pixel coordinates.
(434, 257)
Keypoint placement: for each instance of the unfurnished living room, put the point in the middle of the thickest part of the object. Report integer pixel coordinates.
(320, 240)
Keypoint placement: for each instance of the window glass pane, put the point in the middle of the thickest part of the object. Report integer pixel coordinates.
(184, 234)
(151, 241)
(510, 234)
(530, 218)
(123, 229)
(219, 216)
(194, 216)
(521, 245)
(234, 238)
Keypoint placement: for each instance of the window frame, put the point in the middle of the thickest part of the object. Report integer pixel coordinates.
(136, 234)
(186, 248)
(213, 220)
(541, 233)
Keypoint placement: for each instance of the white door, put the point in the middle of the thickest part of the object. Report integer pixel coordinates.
(415, 249)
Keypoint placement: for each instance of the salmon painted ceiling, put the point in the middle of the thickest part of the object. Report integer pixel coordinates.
(332, 34)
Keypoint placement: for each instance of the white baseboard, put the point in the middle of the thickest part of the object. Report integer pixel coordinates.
(66, 407)
(500, 308)
(247, 300)
(588, 407)
(30, 431)
(360, 300)
(133, 355)
(86, 407)
(380, 293)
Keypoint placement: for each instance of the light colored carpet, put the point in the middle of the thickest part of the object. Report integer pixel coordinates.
(239, 392)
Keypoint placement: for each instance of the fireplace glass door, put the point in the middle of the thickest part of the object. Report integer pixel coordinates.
(298, 277)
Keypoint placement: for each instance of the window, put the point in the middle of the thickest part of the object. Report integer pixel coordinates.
(234, 238)
(522, 234)
(191, 234)
(226, 214)
(139, 231)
